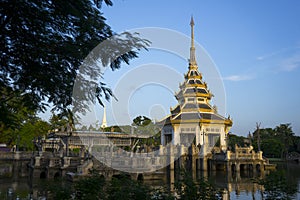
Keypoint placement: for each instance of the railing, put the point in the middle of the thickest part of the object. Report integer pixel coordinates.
(75, 161)
(44, 162)
(219, 156)
(244, 156)
(15, 155)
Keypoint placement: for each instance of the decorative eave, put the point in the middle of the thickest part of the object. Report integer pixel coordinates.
(205, 121)
(196, 85)
(208, 96)
(226, 122)
(198, 110)
(200, 117)
(164, 121)
(175, 110)
(187, 83)
(186, 76)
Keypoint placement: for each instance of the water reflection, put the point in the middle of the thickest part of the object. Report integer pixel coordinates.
(21, 189)
(250, 184)
(243, 185)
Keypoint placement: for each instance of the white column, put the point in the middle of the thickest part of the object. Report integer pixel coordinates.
(198, 135)
(222, 139)
(162, 137)
(201, 136)
(176, 135)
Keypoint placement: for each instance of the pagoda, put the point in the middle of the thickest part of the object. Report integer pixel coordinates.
(104, 123)
(194, 120)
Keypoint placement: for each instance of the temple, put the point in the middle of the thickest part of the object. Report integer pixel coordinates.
(194, 120)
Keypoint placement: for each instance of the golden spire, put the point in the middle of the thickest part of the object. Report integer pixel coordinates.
(192, 49)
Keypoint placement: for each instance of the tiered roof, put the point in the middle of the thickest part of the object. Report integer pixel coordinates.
(194, 97)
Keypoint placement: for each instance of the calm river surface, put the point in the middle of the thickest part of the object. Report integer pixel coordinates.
(237, 186)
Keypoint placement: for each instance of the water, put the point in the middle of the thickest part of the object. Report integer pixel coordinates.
(245, 188)
(237, 186)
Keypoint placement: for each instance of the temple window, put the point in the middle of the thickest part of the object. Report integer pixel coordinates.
(200, 99)
(191, 99)
(191, 81)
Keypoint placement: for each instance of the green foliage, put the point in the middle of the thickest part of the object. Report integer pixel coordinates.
(123, 188)
(30, 130)
(90, 188)
(161, 194)
(276, 142)
(272, 147)
(23, 136)
(141, 121)
(115, 129)
(57, 121)
(285, 134)
(188, 189)
(235, 140)
(15, 107)
(76, 150)
(276, 186)
(60, 191)
(43, 44)
(143, 125)
(126, 129)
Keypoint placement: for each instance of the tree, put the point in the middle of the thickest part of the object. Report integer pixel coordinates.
(285, 133)
(144, 126)
(42, 45)
(234, 139)
(57, 122)
(14, 112)
(276, 142)
(188, 189)
(141, 121)
(261, 136)
(32, 129)
(15, 108)
(123, 188)
(90, 188)
(272, 147)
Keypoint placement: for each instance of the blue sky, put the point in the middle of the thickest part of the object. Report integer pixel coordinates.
(255, 46)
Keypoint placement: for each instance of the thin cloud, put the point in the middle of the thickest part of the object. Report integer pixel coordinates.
(291, 63)
(238, 78)
(286, 59)
(269, 55)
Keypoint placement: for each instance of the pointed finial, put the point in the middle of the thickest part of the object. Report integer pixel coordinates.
(192, 21)
(192, 60)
